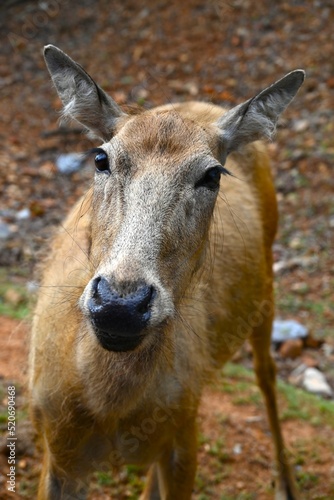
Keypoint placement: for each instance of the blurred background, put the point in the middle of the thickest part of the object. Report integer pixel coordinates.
(152, 52)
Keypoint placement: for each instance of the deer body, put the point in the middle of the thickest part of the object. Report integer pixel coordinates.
(155, 280)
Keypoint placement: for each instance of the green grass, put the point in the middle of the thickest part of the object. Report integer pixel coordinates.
(296, 403)
(3, 417)
(305, 406)
(21, 309)
(105, 479)
(306, 480)
(321, 311)
(20, 312)
(129, 477)
(235, 370)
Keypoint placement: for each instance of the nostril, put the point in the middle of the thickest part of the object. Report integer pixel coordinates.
(147, 299)
(95, 285)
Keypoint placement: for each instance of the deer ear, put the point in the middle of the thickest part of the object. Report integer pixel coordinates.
(83, 99)
(257, 117)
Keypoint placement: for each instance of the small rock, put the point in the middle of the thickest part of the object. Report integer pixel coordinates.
(300, 125)
(191, 88)
(314, 381)
(292, 348)
(297, 375)
(23, 214)
(22, 463)
(69, 163)
(32, 286)
(287, 265)
(142, 93)
(47, 170)
(300, 287)
(327, 349)
(286, 330)
(253, 419)
(5, 231)
(296, 243)
(237, 449)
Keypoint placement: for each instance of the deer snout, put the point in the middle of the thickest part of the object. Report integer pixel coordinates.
(119, 315)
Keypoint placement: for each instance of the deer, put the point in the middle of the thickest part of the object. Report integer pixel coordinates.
(157, 276)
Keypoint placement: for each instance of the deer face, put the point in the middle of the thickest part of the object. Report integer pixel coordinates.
(156, 183)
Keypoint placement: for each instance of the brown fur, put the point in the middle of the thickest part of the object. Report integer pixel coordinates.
(210, 259)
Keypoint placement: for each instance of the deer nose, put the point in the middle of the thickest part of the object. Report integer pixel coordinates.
(118, 317)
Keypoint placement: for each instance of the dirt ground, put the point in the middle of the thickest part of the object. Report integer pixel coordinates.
(148, 53)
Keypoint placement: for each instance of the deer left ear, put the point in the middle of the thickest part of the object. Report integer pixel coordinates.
(257, 117)
(83, 99)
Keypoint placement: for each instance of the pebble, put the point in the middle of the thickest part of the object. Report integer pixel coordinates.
(23, 214)
(4, 231)
(314, 381)
(292, 348)
(300, 125)
(297, 375)
(253, 419)
(327, 349)
(32, 286)
(287, 265)
(69, 163)
(237, 449)
(284, 330)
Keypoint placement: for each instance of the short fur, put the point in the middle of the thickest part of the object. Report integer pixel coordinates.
(208, 256)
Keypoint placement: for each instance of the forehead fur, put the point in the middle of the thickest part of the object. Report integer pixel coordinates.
(165, 134)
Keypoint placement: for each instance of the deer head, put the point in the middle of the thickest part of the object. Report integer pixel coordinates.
(157, 178)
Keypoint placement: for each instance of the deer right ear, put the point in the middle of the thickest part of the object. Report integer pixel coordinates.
(83, 99)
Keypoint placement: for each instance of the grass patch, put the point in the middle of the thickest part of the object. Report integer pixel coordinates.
(105, 478)
(235, 370)
(295, 403)
(3, 417)
(305, 406)
(239, 381)
(306, 480)
(129, 477)
(14, 297)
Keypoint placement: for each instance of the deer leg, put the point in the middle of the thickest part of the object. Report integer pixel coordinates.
(174, 474)
(265, 369)
(151, 491)
(55, 485)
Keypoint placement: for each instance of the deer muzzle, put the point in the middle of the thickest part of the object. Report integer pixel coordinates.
(120, 313)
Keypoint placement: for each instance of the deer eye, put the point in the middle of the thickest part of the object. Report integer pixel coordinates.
(102, 161)
(211, 178)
